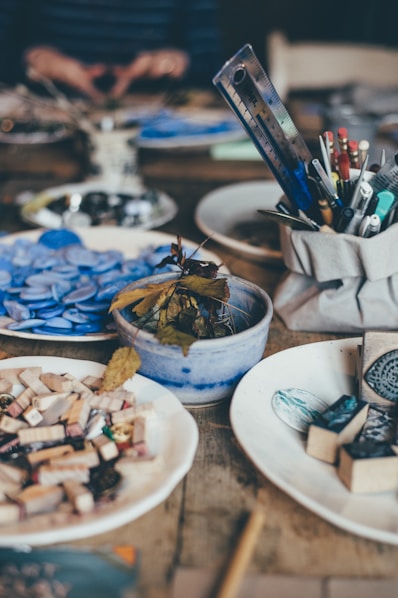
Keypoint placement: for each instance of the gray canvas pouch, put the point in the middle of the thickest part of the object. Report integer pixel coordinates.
(337, 282)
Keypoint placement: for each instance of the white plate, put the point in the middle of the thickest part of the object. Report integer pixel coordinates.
(196, 118)
(174, 435)
(37, 209)
(102, 238)
(326, 369)
(229, 215)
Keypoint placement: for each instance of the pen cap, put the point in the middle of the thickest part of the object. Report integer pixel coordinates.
(385, 203)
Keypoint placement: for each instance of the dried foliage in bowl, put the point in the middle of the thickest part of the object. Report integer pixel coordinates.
(180, 311)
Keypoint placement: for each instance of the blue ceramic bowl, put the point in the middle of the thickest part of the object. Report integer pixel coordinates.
(213, 367)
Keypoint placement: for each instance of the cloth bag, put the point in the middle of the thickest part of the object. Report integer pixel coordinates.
(338, 282)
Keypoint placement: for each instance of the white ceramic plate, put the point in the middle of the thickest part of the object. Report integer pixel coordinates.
(37, 209)
(173, 137)
(174, 435)
(327, 370)
(130, 242)
(229, 215)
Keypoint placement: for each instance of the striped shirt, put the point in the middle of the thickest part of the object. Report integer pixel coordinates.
(111, 31)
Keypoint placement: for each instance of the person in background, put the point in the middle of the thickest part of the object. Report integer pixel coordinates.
(81, 44)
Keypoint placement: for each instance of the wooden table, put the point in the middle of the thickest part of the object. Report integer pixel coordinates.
(198, 525)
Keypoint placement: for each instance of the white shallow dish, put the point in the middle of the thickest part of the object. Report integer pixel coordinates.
(226, 213)
(36, 210)
(130, 242)
(327, 369)
(174, 435)
(198, 118)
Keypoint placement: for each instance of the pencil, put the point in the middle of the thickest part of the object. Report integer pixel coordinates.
(242, 555)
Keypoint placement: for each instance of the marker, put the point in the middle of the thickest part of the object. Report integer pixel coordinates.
(385, 203)
(370, 226)
(345, 218)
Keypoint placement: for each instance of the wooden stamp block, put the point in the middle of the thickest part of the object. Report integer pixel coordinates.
(377, 373)
(339, 424)
(368, 467)
(79, 496)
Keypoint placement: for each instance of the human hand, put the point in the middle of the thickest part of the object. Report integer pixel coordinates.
(149, 65)
(49, 63)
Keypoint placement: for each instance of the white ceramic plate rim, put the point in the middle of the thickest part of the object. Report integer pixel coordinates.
(235, 202)
(326, 369)
(194, 141)
(179, 434)
(130, 242)
(167, 206)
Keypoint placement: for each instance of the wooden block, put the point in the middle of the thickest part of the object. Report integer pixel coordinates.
(44, 401)
(29, 378)
(129, 414)
(43, 455)
(378, 375)
(79, 496)
(9, 513)
(10, 425)
(368, 467)
(338, 425)
(106, 447)
(50, 475)
(88, 457)
(106, 402)
(32, 416)
(12, 374)
(78, 418)
(92, 382)
(57, 382)
(40, 499)
(42, 434)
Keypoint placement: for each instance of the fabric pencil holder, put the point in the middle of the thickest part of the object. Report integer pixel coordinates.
(337, 282)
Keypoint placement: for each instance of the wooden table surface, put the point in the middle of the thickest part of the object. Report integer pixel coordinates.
(199, 523)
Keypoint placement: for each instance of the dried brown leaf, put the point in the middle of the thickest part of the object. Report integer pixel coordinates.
(123, 364)
(207, 287)
(147, 296)
(168, 335)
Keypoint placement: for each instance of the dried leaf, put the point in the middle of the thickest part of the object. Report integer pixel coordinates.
(147, 296)
(207, 287)
(123, 364)
(168, 335)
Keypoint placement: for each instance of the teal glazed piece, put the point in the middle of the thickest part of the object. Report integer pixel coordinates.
(297, 408)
